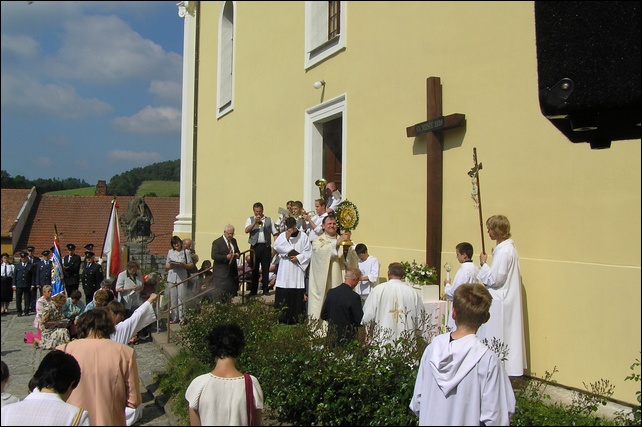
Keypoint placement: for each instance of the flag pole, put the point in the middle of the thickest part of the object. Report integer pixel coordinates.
(476, 194)
(58, 277)
(111, 212)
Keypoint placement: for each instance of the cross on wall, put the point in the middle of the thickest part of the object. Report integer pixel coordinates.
(433, 128)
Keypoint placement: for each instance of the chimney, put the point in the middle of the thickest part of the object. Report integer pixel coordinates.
(101, 188)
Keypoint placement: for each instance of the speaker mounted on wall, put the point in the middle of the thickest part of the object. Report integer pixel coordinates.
(588, 65)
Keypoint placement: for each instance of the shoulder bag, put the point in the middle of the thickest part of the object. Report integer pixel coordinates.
(249, 398)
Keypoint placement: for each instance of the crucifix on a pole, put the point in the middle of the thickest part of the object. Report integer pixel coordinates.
(433, 129)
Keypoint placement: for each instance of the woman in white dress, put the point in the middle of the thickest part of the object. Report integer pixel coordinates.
(219, 397)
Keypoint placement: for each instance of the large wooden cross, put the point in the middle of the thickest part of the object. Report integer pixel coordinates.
(433, 128)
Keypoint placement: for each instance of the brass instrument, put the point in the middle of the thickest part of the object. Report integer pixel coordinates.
(321, 183)
(259, 223)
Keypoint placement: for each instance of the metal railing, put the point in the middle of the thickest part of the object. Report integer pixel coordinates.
(243, 279)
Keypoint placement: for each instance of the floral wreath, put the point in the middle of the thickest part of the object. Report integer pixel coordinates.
(347, 216)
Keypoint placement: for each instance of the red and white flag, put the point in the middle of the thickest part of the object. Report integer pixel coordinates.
(111, 247)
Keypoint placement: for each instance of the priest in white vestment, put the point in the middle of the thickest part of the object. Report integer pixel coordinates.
(394, 307)
(328, 264)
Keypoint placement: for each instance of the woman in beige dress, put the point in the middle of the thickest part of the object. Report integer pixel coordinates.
(110, 379)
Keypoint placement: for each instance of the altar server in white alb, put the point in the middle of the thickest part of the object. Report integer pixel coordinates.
(294, 251)
(504, 282)
(369, 267)
(394, 307)
(461, 382)
(467, 273)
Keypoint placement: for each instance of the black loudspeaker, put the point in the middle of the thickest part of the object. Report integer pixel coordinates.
(588, 66)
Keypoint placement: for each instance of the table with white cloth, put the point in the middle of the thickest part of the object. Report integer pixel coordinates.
(437, 315)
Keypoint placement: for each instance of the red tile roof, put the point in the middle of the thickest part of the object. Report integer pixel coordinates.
(12, 202)
(83, 219)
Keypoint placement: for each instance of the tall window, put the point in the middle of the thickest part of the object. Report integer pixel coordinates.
(325, 30)
(334, 16)
(226, 59)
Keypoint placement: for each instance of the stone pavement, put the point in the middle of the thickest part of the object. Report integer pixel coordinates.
(23, 360)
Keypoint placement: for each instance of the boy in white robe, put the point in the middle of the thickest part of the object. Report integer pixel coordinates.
(467, 273)
(460, 380)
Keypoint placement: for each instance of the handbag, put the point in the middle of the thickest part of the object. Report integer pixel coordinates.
(249, 399)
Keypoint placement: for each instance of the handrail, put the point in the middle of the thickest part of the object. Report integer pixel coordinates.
(243, 254)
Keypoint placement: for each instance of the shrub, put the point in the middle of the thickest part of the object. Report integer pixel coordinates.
(305, 379)
(308, 381)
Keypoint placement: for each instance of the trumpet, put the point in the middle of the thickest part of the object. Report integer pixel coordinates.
(321, 183)
(259, 223)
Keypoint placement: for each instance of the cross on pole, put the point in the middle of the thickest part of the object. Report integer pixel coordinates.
(433, 129)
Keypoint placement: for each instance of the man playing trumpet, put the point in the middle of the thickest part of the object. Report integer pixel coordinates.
(260, 229)
(313, 223)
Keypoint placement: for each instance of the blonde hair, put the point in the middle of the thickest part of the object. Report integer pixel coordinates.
(59, 298)
(500, 225)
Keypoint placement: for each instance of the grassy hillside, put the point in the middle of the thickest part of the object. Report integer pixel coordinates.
(85, 191)
(159, 188)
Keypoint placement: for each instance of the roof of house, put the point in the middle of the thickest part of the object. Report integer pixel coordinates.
(84, 219)
(13, 200)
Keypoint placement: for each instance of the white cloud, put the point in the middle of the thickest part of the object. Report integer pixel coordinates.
(104, 50)
(143, 157)
(19, 46)
(24, 94)
(151, 121)
(167, 91)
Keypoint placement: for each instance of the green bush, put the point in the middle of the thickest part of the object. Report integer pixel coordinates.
(308, 381)
(305, 380)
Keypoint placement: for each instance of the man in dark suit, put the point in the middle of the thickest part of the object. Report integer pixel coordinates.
(92, 276)
(342, 308)
(45, 267)
(71, 269)
(22, 281)
(33, 259)
(225, 252)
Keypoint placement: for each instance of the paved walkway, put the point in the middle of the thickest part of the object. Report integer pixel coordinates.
(23, 360)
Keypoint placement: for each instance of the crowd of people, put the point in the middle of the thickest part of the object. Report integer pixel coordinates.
(317, 274)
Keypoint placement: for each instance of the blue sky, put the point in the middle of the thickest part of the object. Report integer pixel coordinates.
(89, 89)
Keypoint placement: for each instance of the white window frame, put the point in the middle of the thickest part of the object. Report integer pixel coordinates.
(223, 104)
(313, 144)
(316, 22)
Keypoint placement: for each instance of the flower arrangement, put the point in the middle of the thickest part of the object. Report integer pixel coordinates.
(420, 274)
(347, 216)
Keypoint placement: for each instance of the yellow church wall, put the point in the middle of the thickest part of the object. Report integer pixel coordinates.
(575, 212)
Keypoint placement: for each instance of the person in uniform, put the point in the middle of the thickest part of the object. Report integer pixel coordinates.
(91, 276)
